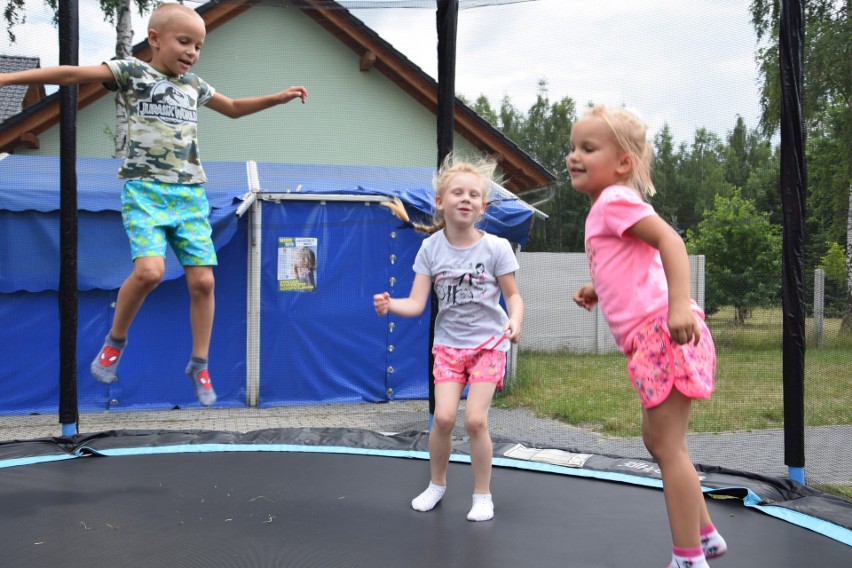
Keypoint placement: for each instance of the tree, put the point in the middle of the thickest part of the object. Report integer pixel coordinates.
(761, 185)
(666, 169)
(743, 255)
(482, 107)
(752, 166)
(117, 12)
(833, 262)
(544, 132)
(702, 176)
(827, 112)
(14, 14)
(746, 153)
(737, 158)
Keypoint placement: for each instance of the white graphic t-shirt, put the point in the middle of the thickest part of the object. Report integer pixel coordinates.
(465, 284)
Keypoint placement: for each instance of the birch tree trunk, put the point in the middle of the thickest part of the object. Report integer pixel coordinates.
(846, 325)
(123, 47)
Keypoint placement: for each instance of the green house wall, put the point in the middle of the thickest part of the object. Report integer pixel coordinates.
(351, 117)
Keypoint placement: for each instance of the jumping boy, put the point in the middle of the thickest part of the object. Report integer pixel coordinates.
(163, 200)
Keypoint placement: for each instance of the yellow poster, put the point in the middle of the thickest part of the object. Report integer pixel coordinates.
(297, 264)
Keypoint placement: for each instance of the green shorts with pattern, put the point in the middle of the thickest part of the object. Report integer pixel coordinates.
(156, 214)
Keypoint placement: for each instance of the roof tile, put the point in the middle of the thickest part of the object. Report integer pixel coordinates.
(12, 97)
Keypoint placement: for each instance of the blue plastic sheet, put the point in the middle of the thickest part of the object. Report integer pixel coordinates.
(320, 346)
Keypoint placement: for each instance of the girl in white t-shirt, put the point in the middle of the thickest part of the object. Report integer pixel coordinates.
(640, 277)
(468, 269)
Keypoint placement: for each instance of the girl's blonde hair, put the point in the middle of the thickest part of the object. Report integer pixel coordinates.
(629, 134)
(483, 168)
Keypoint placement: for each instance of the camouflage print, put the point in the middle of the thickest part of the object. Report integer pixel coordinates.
(156, 214)
(162, 130)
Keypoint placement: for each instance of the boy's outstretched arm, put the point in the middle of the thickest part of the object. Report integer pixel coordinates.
(236, 108)
(409, 307)
(60, 75)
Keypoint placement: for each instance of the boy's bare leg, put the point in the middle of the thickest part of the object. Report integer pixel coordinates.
(202, 305)
(201, 285)
(146, 275)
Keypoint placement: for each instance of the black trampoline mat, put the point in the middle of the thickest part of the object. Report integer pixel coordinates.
(270, 509)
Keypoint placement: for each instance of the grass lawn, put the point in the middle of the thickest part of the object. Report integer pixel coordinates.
(594, 391)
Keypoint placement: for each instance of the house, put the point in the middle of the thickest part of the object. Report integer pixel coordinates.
(369, 105)
(15, 98)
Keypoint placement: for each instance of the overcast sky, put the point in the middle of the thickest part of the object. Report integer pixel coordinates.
(688, 63)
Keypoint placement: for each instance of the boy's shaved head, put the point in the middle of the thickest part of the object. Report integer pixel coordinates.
(166, 14)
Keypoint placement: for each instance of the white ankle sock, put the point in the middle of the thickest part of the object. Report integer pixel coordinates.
(483, 508)
(712, 543)
(688, 558)
(427, 500)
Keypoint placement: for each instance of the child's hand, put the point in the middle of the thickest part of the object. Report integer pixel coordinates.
(382, 303)
(683, 325)
(513, 331)
(294, 93)
(585, 297)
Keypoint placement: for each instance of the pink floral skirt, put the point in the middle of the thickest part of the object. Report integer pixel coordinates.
(657, 363)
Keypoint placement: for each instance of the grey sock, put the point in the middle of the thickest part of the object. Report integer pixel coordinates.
(105, 364)
(197, 372)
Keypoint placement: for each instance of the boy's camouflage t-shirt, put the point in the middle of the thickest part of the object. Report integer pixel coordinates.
(162, 113)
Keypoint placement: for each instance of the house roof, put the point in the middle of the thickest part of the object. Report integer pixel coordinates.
(522, 173)
(14, 97)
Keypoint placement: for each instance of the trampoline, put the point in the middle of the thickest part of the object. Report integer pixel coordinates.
(340, 498)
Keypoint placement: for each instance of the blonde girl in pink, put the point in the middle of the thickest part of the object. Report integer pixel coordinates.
(640, 279)
(467, 269)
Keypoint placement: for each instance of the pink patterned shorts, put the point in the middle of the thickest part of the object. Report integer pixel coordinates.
(468, 365)
(657, 363)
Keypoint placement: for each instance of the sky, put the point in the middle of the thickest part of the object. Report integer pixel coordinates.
(686, 63)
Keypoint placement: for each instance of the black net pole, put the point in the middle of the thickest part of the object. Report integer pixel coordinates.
(447, 19)
(793, 188)
(68, 49)
(447, 23)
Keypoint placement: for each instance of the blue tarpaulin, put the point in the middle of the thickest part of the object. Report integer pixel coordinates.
(320, 345)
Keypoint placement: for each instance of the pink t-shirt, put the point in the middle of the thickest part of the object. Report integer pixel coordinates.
(627, 273)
